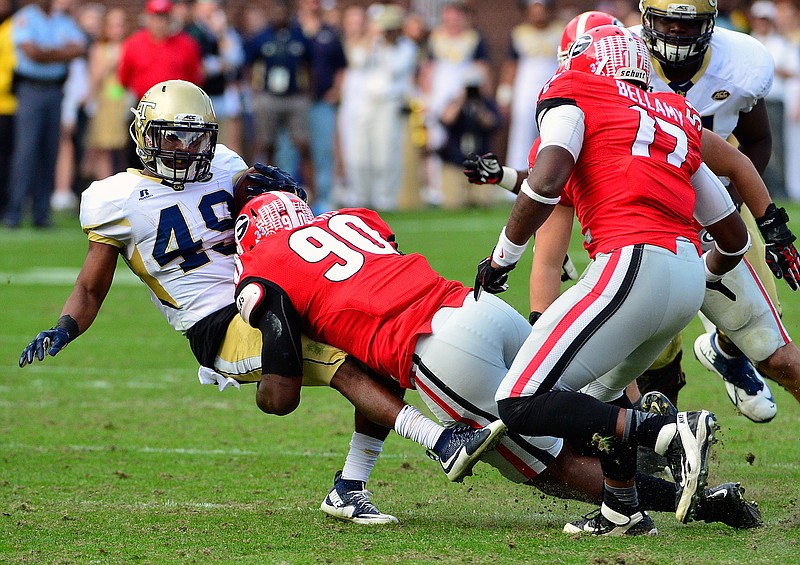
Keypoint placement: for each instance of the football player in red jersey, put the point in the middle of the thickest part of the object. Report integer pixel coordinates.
(762, 338)
(339, 275)
(629, 161)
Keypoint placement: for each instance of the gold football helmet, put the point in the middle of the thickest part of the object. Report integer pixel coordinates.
(674, 49)
(175, 132)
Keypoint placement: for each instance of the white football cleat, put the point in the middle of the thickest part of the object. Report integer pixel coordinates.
(747, 389)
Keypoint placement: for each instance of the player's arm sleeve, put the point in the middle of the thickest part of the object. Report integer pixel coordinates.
(561, 123)
(266, 306)
(713, 202)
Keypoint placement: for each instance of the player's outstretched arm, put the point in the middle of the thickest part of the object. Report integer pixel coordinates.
(780, 253)
(82, 306)
(552, 243)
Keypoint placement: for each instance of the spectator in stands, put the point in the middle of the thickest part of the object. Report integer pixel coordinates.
(159, 51)
(386, 82)
(74, 113)
(326, 73)
(453, 47)
(356, 44)
(108, 127)
(278, 61)
(469, 120)
(530, 62)
(762, 17)
(8, 102)
(223, 56)
(46, 38)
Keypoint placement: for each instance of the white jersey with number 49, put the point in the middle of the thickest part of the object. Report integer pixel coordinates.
(736, 72)
(178, 242)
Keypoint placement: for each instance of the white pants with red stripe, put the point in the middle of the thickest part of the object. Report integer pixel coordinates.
(740, 306)
(458, 368)
(606, 330)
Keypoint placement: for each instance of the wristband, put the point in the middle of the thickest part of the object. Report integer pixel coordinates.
(509, 179)
(710, 277)
(742, 251)
(506, 252)
(68, 323)
(528, 191)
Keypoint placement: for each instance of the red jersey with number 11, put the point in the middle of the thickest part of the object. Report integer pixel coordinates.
(353, 290)
(632, 180)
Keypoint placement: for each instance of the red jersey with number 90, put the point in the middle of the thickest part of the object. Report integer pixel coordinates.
(352, 289)
(632, 181)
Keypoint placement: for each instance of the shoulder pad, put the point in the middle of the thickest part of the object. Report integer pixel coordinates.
(249, 299)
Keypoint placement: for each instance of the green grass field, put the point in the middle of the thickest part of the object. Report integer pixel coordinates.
(113, 453)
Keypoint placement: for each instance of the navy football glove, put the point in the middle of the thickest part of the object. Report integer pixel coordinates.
(52, 341)
(491, 279)
(267, 178)
(483, 169)
(781, 254)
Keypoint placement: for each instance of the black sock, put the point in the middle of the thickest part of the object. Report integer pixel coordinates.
(622, 499)
(655, 494)
(648, 425)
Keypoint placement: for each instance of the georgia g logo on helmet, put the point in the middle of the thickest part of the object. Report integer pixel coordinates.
(580, 45)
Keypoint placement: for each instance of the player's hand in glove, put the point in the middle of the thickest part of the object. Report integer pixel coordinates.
(483, 169)
(781, 254)
(266, 178)
(491, 279)
(52, 341)
(568, 270)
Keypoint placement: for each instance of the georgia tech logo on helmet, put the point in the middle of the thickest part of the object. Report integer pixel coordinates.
(141, 110)
(720, 95)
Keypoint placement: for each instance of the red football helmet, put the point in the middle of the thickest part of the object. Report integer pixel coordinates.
(268, 214)
(611, 51)
(579, 25)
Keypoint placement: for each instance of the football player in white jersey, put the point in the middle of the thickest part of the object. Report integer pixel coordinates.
(171, 223)
(725, 75)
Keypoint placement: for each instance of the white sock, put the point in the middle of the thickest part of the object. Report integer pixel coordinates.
(361, 458)
(414, 425)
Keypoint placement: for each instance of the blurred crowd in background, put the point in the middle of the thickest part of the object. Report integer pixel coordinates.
(371, 105)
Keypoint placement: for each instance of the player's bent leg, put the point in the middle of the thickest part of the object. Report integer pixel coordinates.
(783, 366)
(371, 398)
(751, 323)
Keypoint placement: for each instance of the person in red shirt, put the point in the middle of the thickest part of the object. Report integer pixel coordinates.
(156, 53)
(629, 162)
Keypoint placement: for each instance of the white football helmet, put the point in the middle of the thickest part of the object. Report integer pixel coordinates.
(673, 49)
(175, 132)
